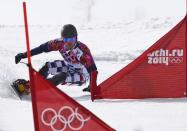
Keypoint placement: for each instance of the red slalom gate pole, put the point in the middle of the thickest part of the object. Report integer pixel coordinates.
(27, 33)
(35, 112)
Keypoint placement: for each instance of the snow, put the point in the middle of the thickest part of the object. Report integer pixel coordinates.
(115, 31)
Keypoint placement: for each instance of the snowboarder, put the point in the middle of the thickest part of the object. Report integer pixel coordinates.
(76, 67)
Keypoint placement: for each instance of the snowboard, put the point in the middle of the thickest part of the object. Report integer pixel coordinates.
(19, 83)
(15, 92)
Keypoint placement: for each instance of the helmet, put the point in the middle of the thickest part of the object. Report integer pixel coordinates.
(68, 31)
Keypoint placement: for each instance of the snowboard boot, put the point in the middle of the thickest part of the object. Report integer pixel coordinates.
(22, 86)
(87, 89)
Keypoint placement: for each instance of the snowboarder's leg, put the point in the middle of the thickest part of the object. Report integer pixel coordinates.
(58, 79)
(57, 68)
(44, 70)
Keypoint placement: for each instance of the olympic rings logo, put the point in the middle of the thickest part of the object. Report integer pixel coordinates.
(176, 60)
(63, 120)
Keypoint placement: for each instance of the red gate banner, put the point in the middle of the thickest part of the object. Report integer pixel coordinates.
(56, 111)
(160, 72)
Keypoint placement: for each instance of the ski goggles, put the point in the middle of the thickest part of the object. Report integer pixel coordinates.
(72, 39)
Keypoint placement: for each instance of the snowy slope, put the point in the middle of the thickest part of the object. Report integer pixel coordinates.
(116, 33)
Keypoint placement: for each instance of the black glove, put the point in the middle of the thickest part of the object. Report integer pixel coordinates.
(19, 56)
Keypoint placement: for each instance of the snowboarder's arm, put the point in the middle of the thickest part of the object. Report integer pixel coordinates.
(40, 49)
(53, 45)
(87, 60)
